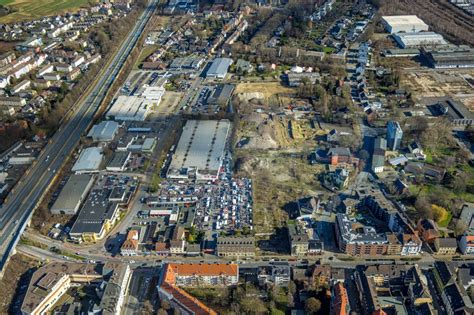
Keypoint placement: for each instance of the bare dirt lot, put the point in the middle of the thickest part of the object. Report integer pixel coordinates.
(279, 178)
(438, 83)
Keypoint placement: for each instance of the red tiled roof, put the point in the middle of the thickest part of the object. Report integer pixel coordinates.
(188, 301)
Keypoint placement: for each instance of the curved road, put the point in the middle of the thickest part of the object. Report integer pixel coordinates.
(17, 211)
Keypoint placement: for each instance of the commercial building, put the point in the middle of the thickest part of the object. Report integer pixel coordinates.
(119, 162)
(129, 108)
(403, 23)
(219, 68)
(296, 79)
(200, 150)
(457, 113)
(175, 275)
(105, 131)
(448, 57)
(236, 246)
(186, 63)
(89, 161)
(419, 39)
(394, 135)
(50, 282)
(221, 95)
(96, 217)
(73, 194)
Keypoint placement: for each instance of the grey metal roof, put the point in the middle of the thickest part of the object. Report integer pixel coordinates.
(104, 131)
(75, 189)
(95, 211)
(201, 146)
(219, 67)
(89, 160)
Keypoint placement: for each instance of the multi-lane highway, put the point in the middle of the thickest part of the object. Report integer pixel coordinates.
(17, 211)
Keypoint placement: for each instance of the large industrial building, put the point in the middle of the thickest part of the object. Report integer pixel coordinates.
(136, 107)
(418, 39)
(449, 57)
(403, 23)
(219, 68)
(89, 161)
(104, 131)
(96, 217)
(200, 150)
(73, 194)
(457, 113)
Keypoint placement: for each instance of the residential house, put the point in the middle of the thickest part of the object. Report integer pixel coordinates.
(466, 244)
(236, 246)
(130, 245)
(321, 275)
(428, 230)
(446, 246)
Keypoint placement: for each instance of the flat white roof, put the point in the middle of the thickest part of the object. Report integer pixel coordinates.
(400, 20)
(153, 92)
(200, 147)
(133, 108)
(89, 160)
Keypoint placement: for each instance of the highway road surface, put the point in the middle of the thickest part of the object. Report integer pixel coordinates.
(21, 202)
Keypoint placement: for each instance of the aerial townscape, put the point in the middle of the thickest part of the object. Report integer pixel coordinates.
(237, 157)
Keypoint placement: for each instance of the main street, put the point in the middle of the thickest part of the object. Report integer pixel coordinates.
(18, 209)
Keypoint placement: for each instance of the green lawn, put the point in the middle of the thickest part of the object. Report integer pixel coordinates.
(29, 9)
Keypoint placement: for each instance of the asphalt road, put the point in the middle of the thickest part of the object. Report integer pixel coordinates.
(25, 197)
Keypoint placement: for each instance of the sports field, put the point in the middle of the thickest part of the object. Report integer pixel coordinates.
(31, 9)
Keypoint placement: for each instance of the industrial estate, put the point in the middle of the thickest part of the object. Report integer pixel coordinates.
(237, 157)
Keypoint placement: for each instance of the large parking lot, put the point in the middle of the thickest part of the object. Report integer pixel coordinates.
(223, 205)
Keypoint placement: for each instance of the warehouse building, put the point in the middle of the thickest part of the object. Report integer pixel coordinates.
(96, 217)
(219, 68)
(136, 107)
(200, 150)
(403, 23)
(418, 39)
(119, 161)
(457, 113)
(73, 194)
(186, 63)
(221, 95)
(104, 131)
(89, 161)
(449, 57)
(129, 108)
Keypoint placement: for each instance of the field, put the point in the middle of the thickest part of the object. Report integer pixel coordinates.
(28, 9)
(266, 90)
